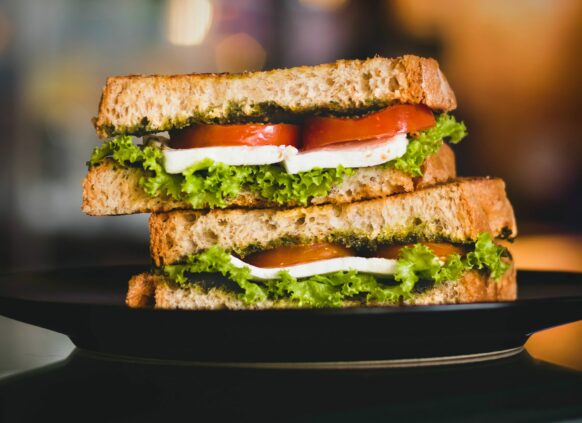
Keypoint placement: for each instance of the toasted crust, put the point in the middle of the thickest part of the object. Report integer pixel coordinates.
(109, 189)
(146, 290)
(140, 104)
(473, 287)
(457, 211)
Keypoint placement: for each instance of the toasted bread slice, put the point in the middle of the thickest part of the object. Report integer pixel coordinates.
(457, 211)
(109, 189)
(146, 290)
(137, 104)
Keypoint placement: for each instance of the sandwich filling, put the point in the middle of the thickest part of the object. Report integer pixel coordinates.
(208, 165)
(328, 275)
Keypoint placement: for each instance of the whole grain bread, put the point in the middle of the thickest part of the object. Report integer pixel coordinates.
(109, 189)
(139, 104)
(146, 290)
(456, 211)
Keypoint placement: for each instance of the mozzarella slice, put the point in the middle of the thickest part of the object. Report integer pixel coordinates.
(352, 154)
(178, 160)
(374, 266)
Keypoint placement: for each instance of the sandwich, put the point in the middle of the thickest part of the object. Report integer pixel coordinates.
(337, 133)
(432, 246)
(322, 186)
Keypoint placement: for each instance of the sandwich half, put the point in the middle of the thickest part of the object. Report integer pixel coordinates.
(432, 246)
(329, 134)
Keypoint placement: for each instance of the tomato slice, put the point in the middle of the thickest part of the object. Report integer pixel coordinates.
(440, 249)
(297, 254)
(401, 118)
(235, 135)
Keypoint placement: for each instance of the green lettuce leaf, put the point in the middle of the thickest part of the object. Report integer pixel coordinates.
(123, 151)
(210, 184)
(330, 290)
(428, 142)
(488, 255)
(275, 184)
(420, 263)
(216, 260)
(333, 290)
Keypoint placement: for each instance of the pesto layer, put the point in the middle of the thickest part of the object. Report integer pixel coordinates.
(241, 112)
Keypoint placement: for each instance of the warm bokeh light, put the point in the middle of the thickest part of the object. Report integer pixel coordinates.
(188, 21)
(325, 5)
(514, 67)
(557, 345)
(239, 52)
(532, 252)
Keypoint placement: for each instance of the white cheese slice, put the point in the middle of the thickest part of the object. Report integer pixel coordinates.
(178, 160)
(352, 154)
(373, 265)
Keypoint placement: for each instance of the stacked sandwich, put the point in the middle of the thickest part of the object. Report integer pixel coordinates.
(324, 186)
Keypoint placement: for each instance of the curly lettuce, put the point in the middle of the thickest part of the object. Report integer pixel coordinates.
(212, 184)
(217, 260)
(488, 256)
(329, 290)
(420, 263)
(428, 142)
(415, 263)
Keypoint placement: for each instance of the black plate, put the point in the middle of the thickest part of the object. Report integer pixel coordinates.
(88, 306)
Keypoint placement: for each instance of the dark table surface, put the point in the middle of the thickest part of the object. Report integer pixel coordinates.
(45, 378)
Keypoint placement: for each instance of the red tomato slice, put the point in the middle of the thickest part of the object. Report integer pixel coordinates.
(441, 250)
(235, 135)
(401, 118)
(297, 254)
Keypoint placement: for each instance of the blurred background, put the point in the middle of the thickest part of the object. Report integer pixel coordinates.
(515, 67)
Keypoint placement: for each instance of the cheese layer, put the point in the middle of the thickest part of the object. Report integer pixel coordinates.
(373, 265)
(178, 160)
(353, 154)
(348, 155)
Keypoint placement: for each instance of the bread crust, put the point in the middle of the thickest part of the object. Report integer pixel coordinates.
(139, 104)
(147, 289)
(456, 211)
(109, 189)
(473, 287)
